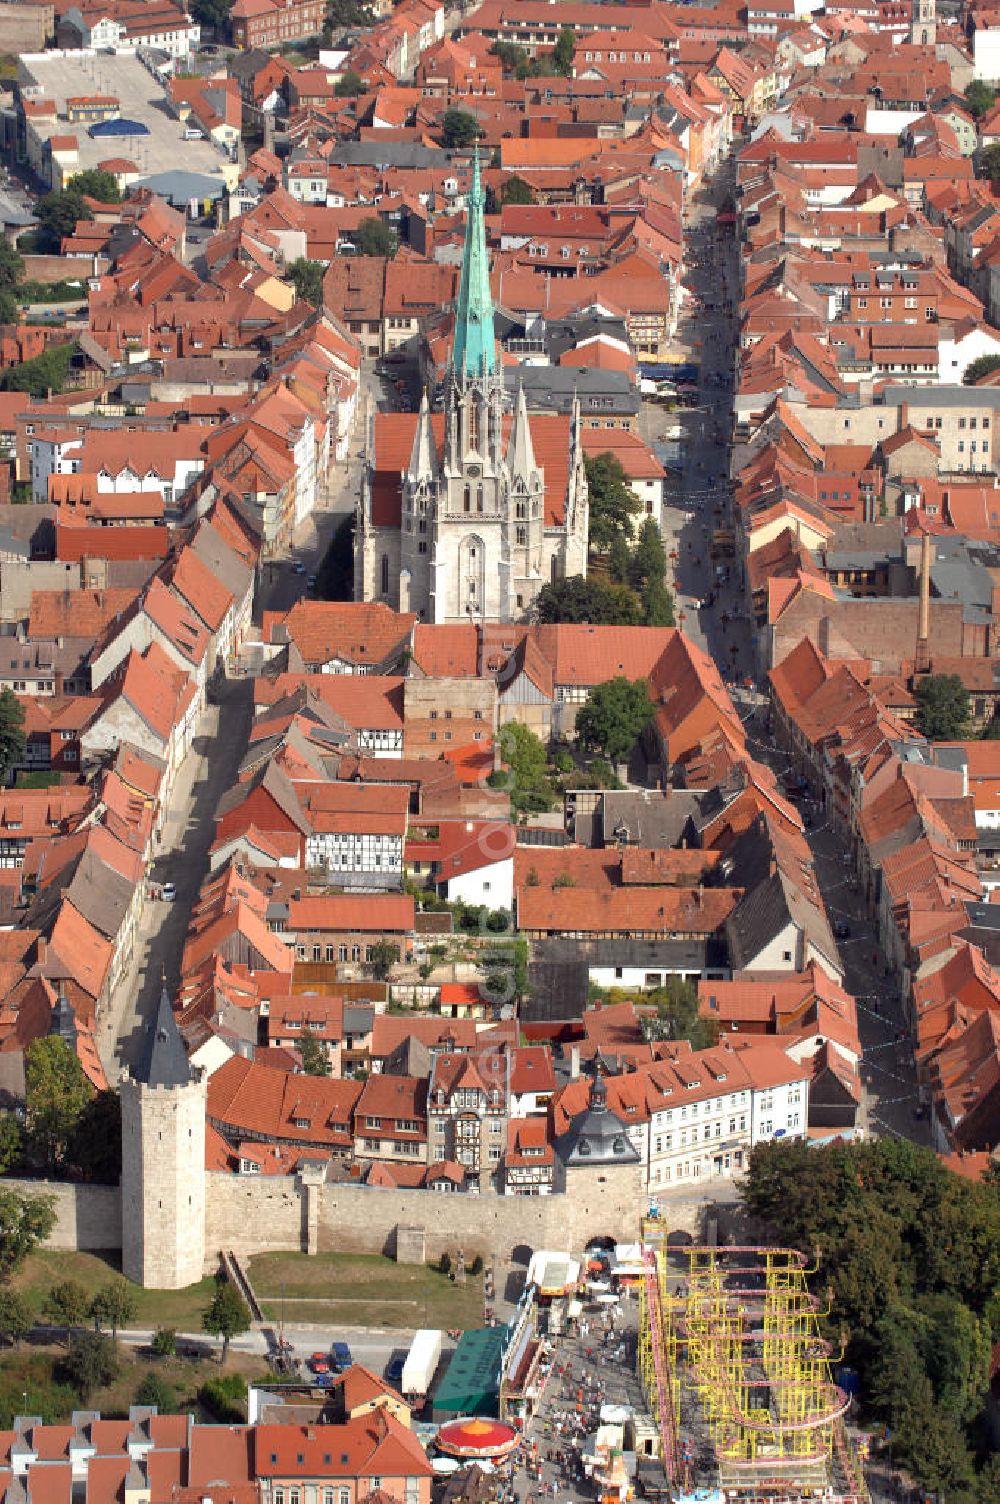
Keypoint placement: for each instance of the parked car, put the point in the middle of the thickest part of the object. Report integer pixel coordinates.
(168, 892)
(298, 567)
(318, 1363)
(842, 930)
(311, 582)
(340, 1357)
(394, 1369)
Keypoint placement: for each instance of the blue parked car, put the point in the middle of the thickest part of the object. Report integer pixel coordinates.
(340, 1357)
(394, 1369)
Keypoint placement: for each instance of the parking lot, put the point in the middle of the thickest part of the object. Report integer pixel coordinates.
(62, 75)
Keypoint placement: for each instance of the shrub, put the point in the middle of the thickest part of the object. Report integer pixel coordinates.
(224, 1397)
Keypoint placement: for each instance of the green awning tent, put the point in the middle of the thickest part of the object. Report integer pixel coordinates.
(471, 1384)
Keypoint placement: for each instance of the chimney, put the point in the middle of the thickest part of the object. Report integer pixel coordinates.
(922, 661)
(40, 951)
(574, 1062)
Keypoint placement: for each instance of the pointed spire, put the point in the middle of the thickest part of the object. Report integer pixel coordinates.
(166, 1061)
(423, 455)
(520, 450)
(474, 352)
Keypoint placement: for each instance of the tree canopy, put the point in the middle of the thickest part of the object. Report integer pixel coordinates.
(459, 128)
(614, 717)
(114, 1305)
(341, 13)
(307, 279)
(42, 374)
(335, 576)
(57, 1093)
(11, 273)
(373, 238)
(530, 789)
(90, 1363)
(212, 13)
(349, 85)
(312, 1051)
(912, 1254)
(227, 1316)
(979, 97)
(12, 737)
(25, 1222)
(989, 163)
(613, 503)
(942, 707)
(562, 52)
(982, 366)
(576, 599)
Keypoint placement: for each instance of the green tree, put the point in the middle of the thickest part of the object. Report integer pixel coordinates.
(349, 85)
(95, 183)
(335, 576)
(942, 707)
(67, 1304)
(91, 1363)
(614, 717)
(94, 1149)
(523, 752)
(989, 163)
(154, 1390)
(212, 13)
(341, 13)
(516, 191)
(562, 53)
(11, 273)
(312, 1052)
(657, 605)
(114, 1305)
(619, 559)
(12, 738)
(16, 1320)
(56, 1095)
(58, 213)
(983, 365)
(164, 1343)
(991, 731)
(227, 1316)
(510, 55)
(613, 503)
(307, 279)
(382, 957)
(979, 97)
(575, 599)
(11, 1141)
(373, 238)
(677, 1015)
(25, 1222)
(43, 374)
(459, 128)
(649, 557)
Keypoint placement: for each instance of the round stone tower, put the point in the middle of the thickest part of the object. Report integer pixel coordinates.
(163, 1162)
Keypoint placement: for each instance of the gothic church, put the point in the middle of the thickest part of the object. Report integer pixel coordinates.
(465, 514)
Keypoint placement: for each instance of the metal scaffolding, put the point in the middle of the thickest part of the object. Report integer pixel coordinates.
(735, 1368)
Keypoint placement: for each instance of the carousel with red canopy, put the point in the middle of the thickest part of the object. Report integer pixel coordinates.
(477, 1436)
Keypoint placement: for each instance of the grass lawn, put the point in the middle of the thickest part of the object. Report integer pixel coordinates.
(363, 1290)
(177, 1308)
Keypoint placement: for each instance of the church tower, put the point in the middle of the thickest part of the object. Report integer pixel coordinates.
(473, 542)
(163, 1162)
(923, 22)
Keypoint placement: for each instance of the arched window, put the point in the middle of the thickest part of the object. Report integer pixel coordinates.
(467, 499)
(479, 498)
(385, 574)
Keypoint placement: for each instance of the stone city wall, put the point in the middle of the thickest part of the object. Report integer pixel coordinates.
(88, 1217)
(250, 1215)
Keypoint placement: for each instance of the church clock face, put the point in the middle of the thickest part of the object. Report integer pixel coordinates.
(473, 470)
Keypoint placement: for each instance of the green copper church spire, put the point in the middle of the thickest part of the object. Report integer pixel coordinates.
(473, 353)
